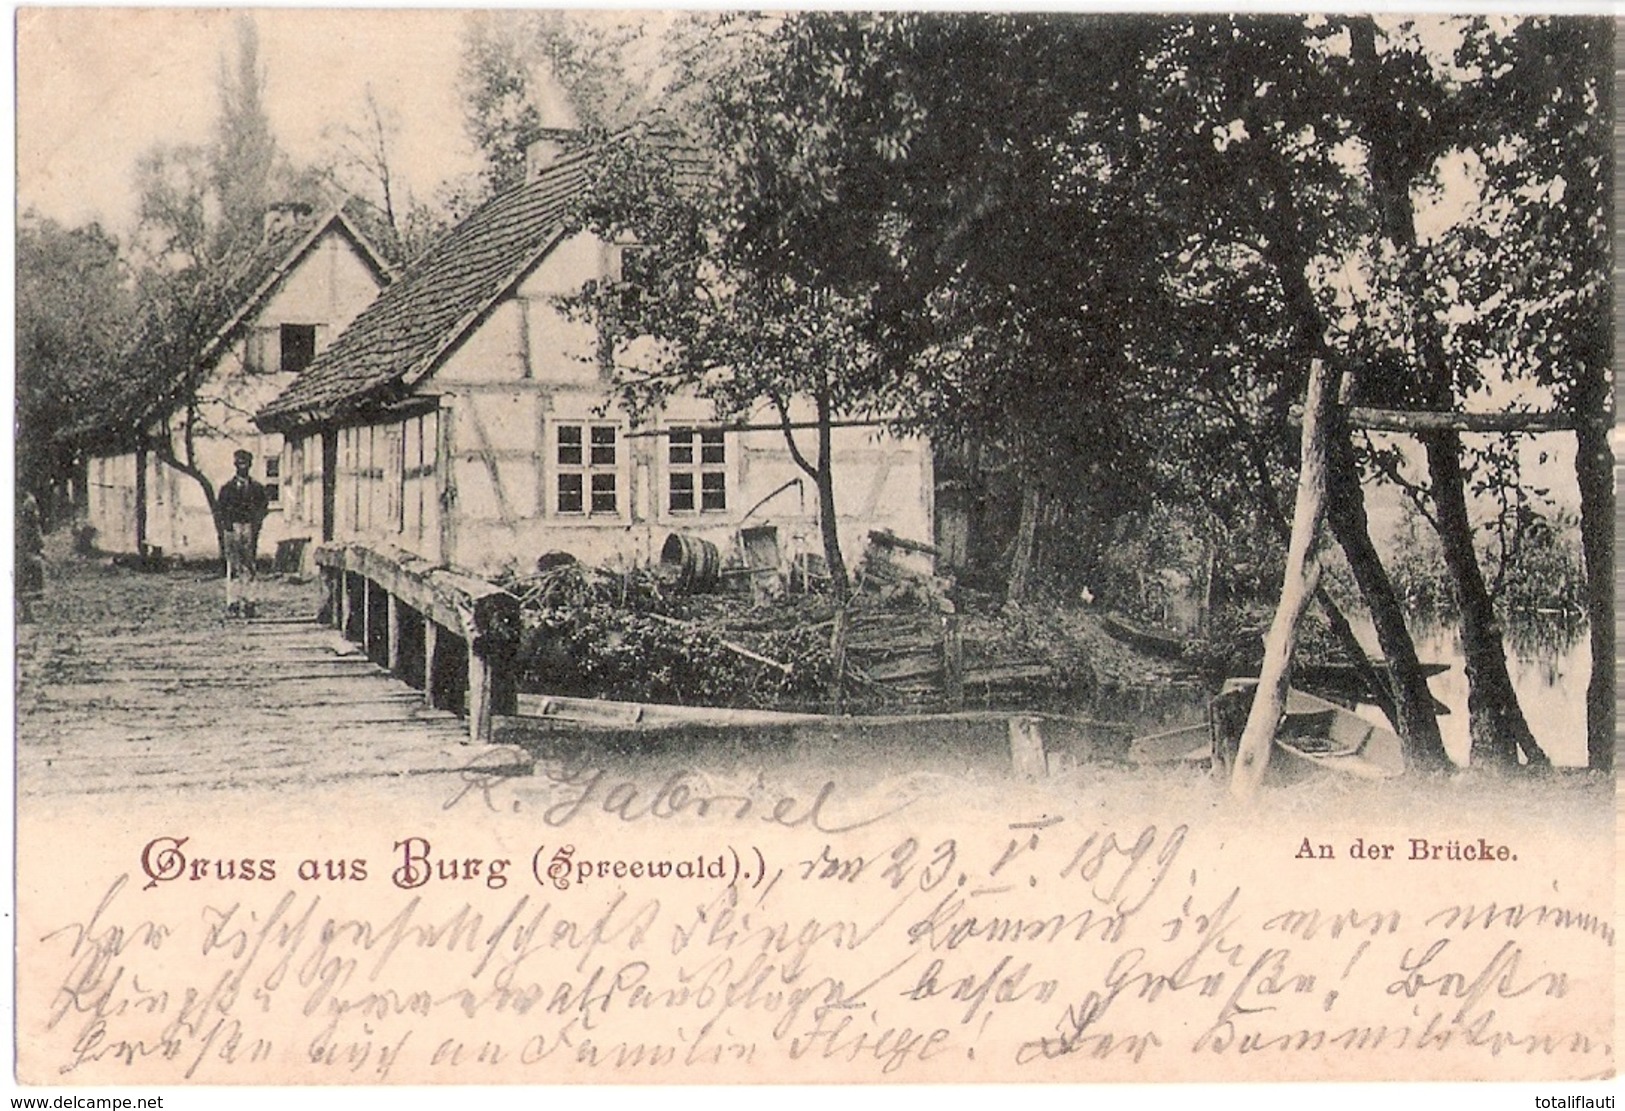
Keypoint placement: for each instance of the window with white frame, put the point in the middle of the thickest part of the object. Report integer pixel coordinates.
(587, 470)
(696, 471)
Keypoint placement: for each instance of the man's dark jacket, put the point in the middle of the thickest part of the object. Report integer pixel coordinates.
(242, 501)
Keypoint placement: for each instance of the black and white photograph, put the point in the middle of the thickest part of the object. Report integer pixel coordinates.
(566, 547)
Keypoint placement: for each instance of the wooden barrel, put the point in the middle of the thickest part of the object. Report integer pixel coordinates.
(698, 562)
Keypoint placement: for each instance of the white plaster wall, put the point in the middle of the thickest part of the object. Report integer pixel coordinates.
(505, 388)
(110, 502)
(491, 353)
(329, 288)
(504, 478)
(561, 350)
(416, 528)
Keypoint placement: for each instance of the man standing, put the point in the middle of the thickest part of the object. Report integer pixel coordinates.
(241, 506)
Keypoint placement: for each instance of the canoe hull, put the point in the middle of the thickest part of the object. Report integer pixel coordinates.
(1315, 738)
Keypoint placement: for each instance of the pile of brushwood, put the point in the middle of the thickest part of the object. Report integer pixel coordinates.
(633, 635)
(637, 635)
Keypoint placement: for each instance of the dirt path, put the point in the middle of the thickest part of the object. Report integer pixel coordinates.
(136, 681)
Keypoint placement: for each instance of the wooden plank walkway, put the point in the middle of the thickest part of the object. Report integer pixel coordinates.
(133, 681)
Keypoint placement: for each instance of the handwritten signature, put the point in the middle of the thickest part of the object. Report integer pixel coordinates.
(593, 790)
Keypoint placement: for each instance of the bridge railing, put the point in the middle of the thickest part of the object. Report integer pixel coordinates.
(453, 636)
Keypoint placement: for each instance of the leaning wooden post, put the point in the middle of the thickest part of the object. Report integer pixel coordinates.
(1302, 573)
(479, 696)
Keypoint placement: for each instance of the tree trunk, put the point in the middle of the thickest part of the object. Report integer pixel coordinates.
(1410, 707)
(825, 479)
(141, 501)
(1021, 559)
(1593, 465)
(1498, 726)
(1412, 711)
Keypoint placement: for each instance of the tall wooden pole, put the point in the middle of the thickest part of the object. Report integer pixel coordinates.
(837, 662)
(1298, 586)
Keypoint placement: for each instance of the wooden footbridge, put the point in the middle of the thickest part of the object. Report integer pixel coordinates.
(130, 681)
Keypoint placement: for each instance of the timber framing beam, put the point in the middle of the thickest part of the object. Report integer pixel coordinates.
(1421, 420)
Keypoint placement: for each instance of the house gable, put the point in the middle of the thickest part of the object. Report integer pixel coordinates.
(303, 284)
(436, 306)
(324, 286)
(524, 335)
(289, 255)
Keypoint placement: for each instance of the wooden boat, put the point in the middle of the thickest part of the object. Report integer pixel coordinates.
(1153, 642)
(1180, 744)
(1343, 683)
(1314, 737)
(1240, 648)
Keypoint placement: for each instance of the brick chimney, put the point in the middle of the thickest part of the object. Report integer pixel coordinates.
(549, 145)
(282, 215)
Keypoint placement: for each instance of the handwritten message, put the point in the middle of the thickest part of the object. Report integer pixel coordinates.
(859, 942)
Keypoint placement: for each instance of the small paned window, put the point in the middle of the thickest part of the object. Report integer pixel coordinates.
(603, 446)
(569, 445)
(273, 478)
(696, 466)
(570, 493)
(635, 274)
(603, 493)
(587, 478)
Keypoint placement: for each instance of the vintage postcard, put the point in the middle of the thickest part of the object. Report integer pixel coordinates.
(578, 548)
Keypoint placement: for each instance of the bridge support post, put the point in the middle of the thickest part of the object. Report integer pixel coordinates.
(431, 652)
(392, 646)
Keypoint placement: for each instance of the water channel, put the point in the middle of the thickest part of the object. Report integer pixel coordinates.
(1550, 665)
(1548, 659)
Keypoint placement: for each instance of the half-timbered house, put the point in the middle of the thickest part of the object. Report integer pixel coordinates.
(295, 292)
(465, 418)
